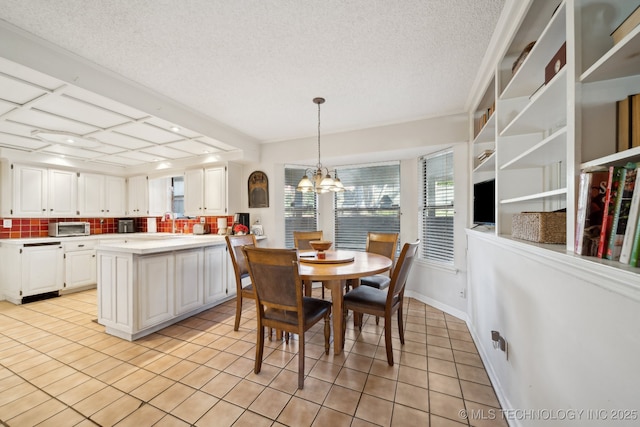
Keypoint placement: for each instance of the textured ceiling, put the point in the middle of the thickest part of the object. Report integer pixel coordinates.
(255, 65)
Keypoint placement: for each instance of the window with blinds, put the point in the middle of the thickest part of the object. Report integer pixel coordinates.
(300, 213)
(436, 207)
(371, 202)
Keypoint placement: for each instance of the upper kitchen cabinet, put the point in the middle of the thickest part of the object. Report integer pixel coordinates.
(138, 200)
(39, 192)
(101, 195)
(160, 196)
(212, 191)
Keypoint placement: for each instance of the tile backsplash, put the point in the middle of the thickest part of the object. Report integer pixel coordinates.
(39, 227)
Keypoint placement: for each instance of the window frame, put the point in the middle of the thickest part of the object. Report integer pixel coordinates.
(437, 201)
(308, 212)
(352, 223)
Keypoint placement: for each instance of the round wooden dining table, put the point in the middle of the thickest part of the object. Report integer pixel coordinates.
(333, 272)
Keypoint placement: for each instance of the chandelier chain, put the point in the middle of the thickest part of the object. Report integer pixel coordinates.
(319, 163)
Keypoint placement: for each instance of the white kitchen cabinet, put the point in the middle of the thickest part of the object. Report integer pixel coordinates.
(115, 292)
(216, 273)
(40, 192)
(189, 289)
(159, 196)
(194, 192)
(62, 198)
(79, 264)
(156, 289)
(213, 191)
(31, 269)
(101, 195)
(146, 286)
(138, 199)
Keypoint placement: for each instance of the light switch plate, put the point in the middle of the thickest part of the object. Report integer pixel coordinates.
(6, 223)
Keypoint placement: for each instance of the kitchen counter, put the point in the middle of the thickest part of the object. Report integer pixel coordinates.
(146, 245)
(147, 282)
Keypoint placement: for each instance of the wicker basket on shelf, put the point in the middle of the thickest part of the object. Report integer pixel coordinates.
(540, 227)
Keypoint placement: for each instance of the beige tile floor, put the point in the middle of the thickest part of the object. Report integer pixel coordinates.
(59, 368)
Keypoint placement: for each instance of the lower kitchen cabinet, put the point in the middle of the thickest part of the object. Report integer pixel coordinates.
(156, 289)
(140, 294)
(215, 273)
(79, 264)
(189, 280)
(31, 269)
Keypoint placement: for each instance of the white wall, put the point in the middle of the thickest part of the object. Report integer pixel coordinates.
(404, 142)
(572, 327)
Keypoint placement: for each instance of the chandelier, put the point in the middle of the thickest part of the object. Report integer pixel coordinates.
(319, 179)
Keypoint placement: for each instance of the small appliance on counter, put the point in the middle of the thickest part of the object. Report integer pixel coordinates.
(222, 226)
(126, 226)
(201, 228)
(62, 229)
(241, 218)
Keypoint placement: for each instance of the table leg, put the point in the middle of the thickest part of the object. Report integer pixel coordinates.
(308, 287)
(336, 287)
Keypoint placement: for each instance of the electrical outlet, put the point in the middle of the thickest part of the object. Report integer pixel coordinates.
(6, 223)
(202, 220)
(462, 293)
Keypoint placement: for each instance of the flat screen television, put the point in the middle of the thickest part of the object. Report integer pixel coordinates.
(484, 202)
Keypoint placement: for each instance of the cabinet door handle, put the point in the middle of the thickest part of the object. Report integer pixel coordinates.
(81, 246)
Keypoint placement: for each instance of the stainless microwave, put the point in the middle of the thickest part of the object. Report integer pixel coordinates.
(61, 229)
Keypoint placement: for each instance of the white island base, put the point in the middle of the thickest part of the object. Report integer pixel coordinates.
(147, 285)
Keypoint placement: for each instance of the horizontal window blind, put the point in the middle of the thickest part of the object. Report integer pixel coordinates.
(300, 213)
(371, 202)
(436, 207)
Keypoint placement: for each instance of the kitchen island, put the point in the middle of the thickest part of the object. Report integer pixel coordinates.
(145, 285)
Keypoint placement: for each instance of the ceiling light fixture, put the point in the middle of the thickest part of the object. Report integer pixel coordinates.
(319, 179)
(175, 129)
(65, 138)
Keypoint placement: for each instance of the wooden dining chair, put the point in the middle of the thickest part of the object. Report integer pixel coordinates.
(384, 244)
(301, 240)
(384, 302)
(234, 245)
(280, 302)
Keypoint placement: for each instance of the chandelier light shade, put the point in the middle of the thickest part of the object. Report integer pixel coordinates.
(319, 179)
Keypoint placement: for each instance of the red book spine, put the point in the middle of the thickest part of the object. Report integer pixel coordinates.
(607, 216)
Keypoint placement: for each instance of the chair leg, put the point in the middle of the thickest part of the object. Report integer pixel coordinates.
(238, 311)
(327, 332)
(400, 324)
(259, 349)
(301, 361)
(377, 320)
(387, 338)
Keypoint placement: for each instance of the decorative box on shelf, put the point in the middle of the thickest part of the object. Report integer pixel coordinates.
(540, 227)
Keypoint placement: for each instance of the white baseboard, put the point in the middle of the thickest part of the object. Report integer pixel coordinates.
(436, 304)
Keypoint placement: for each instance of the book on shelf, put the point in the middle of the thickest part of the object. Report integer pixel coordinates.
(593, 186)
(628, 122)
(621, 212)
(634, 120)
(627, 26)
(623, 124)
(610, 196)
(635, 247)
(632, 221)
